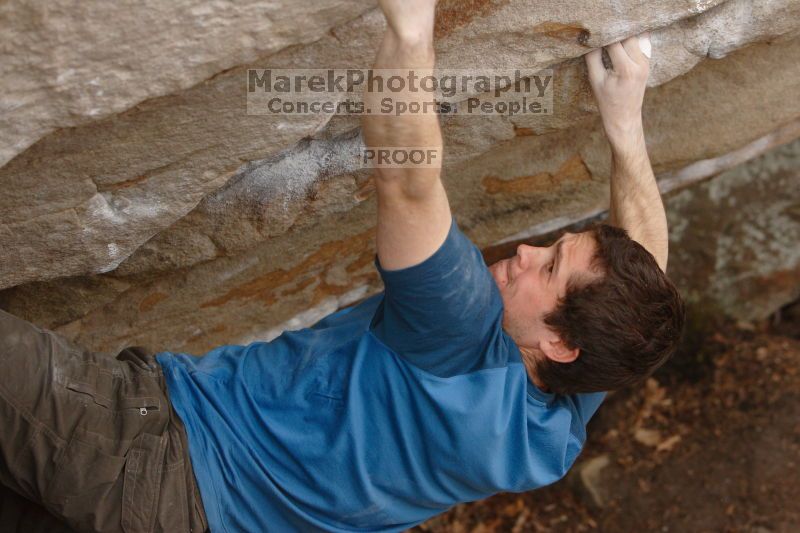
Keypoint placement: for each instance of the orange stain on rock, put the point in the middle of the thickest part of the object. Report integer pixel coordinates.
(454, 14)
(150, 301)
(366, 258)
(325, 289)
(299, 287)
(269, 287)
(522, 184)
(563, 32)
(573, 169)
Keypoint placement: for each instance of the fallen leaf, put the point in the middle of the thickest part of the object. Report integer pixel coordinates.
(668, 444)
(648, 437)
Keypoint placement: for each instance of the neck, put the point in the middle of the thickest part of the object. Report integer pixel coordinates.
(529, 358)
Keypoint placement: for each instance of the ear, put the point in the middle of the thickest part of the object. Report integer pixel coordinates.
(555, 350)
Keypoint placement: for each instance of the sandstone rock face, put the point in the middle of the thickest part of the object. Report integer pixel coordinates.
(143, 205)
(72, 62)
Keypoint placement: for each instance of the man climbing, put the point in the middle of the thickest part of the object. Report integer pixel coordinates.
(457, 382)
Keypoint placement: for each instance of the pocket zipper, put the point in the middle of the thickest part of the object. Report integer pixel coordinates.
(143, 405)
(144, 410)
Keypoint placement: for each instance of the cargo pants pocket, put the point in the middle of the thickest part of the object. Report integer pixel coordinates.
(86, 487)
(108, 475)
(142, 483)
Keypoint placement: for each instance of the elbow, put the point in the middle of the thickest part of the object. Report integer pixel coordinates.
(401, 184)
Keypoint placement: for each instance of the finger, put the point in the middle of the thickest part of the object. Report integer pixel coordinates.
(619, 57)
(594, 62)
(633, 48)
(645, 44)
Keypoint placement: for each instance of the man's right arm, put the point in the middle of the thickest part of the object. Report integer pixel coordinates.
(636, 204)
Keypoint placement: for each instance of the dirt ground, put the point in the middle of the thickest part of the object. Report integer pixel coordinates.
(710, 443)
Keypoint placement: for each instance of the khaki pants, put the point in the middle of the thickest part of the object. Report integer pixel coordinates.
(90, 437)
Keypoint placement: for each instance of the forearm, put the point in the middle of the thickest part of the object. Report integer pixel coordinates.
(636, 203)
(399, 55)
(413, 213)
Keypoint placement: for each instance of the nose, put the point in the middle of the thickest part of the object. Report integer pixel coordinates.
(524, 252)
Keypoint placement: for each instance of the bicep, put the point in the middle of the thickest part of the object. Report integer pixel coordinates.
(413, 219)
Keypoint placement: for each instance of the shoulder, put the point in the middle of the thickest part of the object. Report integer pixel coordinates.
(456, 251)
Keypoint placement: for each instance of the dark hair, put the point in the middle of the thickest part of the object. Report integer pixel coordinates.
(626, 323)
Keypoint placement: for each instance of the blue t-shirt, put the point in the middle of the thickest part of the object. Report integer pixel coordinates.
(378, 417)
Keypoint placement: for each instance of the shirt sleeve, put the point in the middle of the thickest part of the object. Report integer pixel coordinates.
(587, 404)
(442, 313)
